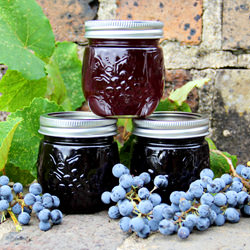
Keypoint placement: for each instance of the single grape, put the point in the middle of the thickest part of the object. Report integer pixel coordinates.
(202, 223)
(48, 202)
(239, 168)
(125, 207)
(166, 227)
(237, 179)
(125, 224)
(118, 193)
(227, 179)
(155, 199)
(24, 218)
(184, 205)
(126, 180)
(137, 224)
(207, 199)
(18, 187)
(29, 199)
(35, 188)
(205, 180)
(158, 210)
(4, 205)
(119, 169)
(56, 201)
(56, 216)
(242, 198)
(113, 212)
(175, 196)
(183, 232)
(5, 191)
(143, 193)
(145, 177)
(232, 215)
(16, 209)
(4, 180)
(190, 221)
(231, 198)
(168, 212)
(9, 198)
(204, 211)
(161, 181)
(245, 210)
(236, 186)
(214, 187)
(37, 207)
(220, 220)
(175, 207)
(216, 209)
(44, 225)
(245, 173)
(221, 182)
(137, 182)
(207, 172)
(44, 215)
(189, 196)
(153, 225)
(196, 190)
(106, 197)
(220, 199)
(145, 206)
(144, 233)
(212, 216)
(39, 198)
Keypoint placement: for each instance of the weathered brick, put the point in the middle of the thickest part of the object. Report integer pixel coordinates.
(182, 18)
(67, 17)
(236, 24)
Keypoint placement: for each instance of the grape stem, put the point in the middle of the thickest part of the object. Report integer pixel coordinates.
(229, 161)
(13, 217)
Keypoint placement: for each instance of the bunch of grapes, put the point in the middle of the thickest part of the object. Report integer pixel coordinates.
(20, 207)
(208, 201)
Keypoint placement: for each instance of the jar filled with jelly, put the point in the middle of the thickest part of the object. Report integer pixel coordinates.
(123, 68)
(173, 144)
(76, 158)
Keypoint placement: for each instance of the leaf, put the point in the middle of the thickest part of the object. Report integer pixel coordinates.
(18, 92)
(25, 144)
(180, 94)
(7, 130)
(18, 175)
(126, 123)
(219, 164)
(65, 77)
(24, 33)
(168, 105)
(126, 151)
(210, 143)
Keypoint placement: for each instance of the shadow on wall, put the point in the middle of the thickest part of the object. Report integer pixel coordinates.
(231, 130)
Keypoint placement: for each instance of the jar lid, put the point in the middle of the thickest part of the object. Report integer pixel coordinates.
(123, 29)
(172, 125)
(76, 124)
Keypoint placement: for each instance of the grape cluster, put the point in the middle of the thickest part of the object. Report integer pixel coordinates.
(20, 207)
(208, 201)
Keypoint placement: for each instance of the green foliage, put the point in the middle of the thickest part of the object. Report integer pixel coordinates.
(25, 37)
(25, 144)
(168, 105)
(7, 130)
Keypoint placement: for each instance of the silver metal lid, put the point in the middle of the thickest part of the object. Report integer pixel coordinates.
(172, 125)
(76, 124)
(123, 29)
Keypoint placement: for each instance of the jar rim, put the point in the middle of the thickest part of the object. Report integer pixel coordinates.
(123, 29)
(172, 125)
(76, 124)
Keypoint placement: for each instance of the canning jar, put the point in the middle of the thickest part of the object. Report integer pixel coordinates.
(173, 144)
(123, 68)
(76, 158)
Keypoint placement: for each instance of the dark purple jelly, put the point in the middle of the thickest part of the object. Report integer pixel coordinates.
(77, 169)
(123, 75)
(180, 151)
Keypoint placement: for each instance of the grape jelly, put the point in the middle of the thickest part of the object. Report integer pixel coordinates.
(123, 67)
(173, 144)
(76, 158)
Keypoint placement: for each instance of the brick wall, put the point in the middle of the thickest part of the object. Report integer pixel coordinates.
(209, 38)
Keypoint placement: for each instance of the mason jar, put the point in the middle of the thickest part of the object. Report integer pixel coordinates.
(76, 158)
(123, 68)
(172, 144)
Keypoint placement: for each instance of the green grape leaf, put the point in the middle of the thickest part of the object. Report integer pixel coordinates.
(126, 151)
(7, 130)
(25, 35)
(126, 123)
(18, 92)
(64, 72)
(168, 105)
(25, 144)
(18, 175)
(219, 164)
(210, 144)
(180, 94)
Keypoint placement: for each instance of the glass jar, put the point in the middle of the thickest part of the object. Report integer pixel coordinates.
(173, 144)
(123, 68)
(76, 158)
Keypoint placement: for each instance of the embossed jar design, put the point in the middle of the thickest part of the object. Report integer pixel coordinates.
(123, 68)
(76, 158)
(171, 143)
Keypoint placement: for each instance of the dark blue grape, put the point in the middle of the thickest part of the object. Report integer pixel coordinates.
(37, 207)
(143, 193)
(44, 225)
(154, 225)
(18, 187)
(126, 180)
(145, 177)
(56, 216)
(125, 224)
(144, 233)
(118, 193)
(119, 169)
(161, 181)
(4, 180)
(145, 206)
(166, 227)
(24, 218)
(137, 224)
(183, 232)
(232, 215)
(56, 201)
(125, 207)
(155, 199)
(220, 199)
(35, 188)
(207, 172)
(106, 197)
(29, 199)
(113, 212)
(4, 205)
(16, 209)
(44, 215)
(220, 220)
(5, 191)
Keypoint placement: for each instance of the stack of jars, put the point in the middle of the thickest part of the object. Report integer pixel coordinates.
(122, 77)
